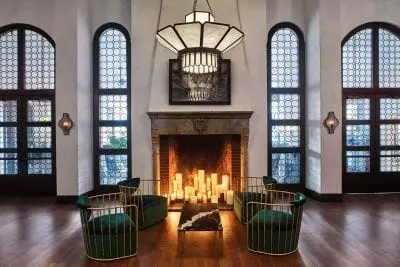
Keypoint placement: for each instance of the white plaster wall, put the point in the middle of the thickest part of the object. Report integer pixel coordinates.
(331, 96)
(144, 24)
(104, 11)
(313, 96)
(66, 98)
(293, 11)
(84, 92)
(357, 12)
(254, 25)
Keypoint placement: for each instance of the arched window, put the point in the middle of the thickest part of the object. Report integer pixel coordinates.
(371, 101)
(27, 111)
(285, 53)
(111, 93)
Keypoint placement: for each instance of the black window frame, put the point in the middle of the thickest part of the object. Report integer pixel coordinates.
(374, 180)
(300, 90)
(97, 92)
(24, 183)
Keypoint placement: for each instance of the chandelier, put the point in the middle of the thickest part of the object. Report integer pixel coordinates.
(199, 41)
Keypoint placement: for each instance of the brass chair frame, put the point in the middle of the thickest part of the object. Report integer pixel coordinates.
(101, 205)
(280, 201)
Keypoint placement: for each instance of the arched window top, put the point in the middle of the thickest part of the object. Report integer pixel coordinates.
(38, 53)
(284, 41)
(371, 50)
(113, 44)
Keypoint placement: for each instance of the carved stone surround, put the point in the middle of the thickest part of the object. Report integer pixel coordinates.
(193, 123)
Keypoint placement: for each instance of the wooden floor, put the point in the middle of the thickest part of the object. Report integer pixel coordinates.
(361, 231)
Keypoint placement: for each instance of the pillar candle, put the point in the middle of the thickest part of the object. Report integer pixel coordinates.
(199, 197)
(202, 188)
(201, 177)
(178, 178)
(193, 200)
(214, 181)
(196, 182)
(167, 197)
(174, 185)
(214, 199)
(209, 195)
(208, 184)
(225, 181)
(217, 189)
(204, 198)
(173, 196)
(179, 194)
(229, 197)
(225, 194)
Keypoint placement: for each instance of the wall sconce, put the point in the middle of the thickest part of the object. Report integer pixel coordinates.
(331, 122)
(65, 123)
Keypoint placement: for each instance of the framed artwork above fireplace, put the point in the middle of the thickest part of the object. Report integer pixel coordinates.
(199, 88)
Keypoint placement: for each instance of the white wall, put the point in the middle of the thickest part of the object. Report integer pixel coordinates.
(313, 96)
(72, 24)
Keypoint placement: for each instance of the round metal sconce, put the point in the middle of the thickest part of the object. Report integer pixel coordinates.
(331, 122)
(65, 123)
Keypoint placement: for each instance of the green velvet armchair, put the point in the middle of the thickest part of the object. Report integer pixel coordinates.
(275, 228)
(151, 208)
(254, 189)
(109, 233)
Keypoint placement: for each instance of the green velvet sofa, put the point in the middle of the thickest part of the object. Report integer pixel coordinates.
(151, 208)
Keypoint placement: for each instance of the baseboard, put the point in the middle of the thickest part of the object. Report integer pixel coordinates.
(72, 198)
(323, 197)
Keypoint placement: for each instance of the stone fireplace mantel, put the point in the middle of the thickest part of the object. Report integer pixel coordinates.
(199, 123)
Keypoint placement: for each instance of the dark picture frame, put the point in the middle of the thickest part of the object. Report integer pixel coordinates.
(181, 93)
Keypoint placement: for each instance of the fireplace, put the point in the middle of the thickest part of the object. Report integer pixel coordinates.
(190, 145)
(187, 157)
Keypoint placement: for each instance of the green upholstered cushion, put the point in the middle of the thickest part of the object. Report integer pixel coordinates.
(152, 209)
(268, 180)
(299, 199)
(240, 201)
(83, 202)
(272, 219)
(133, 182)
(110, 224)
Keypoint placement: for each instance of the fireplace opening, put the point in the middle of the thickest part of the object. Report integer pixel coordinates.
(200, 168)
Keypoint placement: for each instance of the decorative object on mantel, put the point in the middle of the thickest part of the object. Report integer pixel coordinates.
(199, 75)
(331, 122)
(65, 123)
(200, 125)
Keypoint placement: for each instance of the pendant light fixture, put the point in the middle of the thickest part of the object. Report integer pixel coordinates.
(199, 41)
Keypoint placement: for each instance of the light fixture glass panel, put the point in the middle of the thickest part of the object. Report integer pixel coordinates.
(230, 38)
(189, 17)
(233, 45)
(213, 33)
(190, 34)
(165, 44)
(202, 17)
(170, 36)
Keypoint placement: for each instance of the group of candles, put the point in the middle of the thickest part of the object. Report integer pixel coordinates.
(203, 190)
